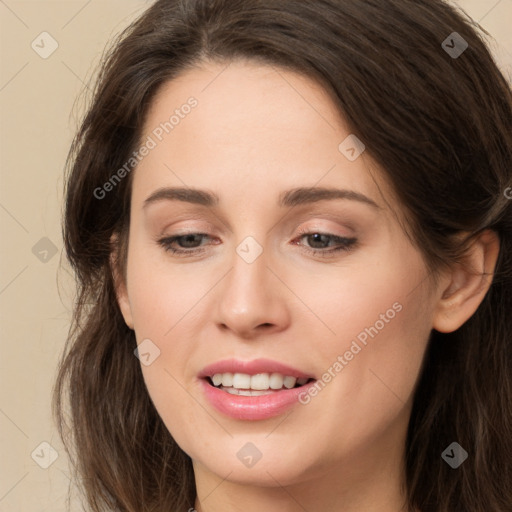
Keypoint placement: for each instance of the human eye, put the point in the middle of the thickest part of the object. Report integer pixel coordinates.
(319, 243)
(188, 244)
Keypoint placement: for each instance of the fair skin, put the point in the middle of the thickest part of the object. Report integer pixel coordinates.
(256, 133)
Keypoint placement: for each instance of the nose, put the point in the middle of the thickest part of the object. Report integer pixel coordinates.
(252, 300)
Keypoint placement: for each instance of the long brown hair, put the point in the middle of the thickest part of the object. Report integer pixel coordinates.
(440, 127)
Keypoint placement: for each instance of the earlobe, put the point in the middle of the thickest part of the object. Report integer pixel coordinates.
(120, 284)
(468, 283)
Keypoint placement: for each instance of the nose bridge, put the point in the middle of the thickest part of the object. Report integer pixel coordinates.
(250, 296)
(246, 290)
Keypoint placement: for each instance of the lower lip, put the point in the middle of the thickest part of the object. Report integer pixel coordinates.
(253, 407)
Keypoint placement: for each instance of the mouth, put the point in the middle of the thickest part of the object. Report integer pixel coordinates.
(253, 390)
(244, 384)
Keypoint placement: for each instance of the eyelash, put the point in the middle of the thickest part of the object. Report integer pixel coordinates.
(344, 244)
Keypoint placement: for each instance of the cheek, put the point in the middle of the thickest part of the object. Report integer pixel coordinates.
(163, 312)
(382, 307)
(162, 294)
(167, 302)
(382, 321)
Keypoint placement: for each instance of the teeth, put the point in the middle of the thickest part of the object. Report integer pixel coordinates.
(244, 392)
(227, 379)
(289, 382)
(217, 379)
(260, 381)
(276, 381)
(241, 383)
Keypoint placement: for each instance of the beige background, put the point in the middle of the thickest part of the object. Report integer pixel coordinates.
(39, 112)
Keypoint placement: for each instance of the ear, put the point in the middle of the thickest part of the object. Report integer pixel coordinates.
(468, 283)
(120, 283)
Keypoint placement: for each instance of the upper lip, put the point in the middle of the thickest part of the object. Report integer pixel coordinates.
(251, 368)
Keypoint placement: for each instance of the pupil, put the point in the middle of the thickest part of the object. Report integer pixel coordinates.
(317, 238)
(188, 239)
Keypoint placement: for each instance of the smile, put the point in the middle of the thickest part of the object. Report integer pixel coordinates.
(255, 385)
(245, 391)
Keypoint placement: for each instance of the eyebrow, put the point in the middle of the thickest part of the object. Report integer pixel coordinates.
(290, 198)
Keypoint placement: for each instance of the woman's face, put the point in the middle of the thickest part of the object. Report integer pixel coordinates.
(291, 264)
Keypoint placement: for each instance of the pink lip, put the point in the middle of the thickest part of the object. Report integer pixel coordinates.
(251, 367)
(252, 407)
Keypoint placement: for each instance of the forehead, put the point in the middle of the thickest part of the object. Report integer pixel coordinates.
(252, 128)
